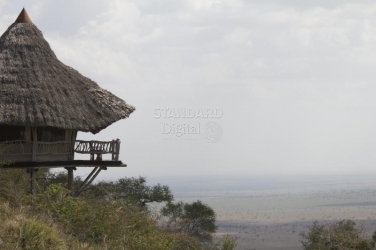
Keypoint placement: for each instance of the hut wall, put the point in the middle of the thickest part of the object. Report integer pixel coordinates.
(57, 144)
(11, 133)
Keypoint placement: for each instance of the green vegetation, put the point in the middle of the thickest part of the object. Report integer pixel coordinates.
(132, 190)
(115, 215)
(342, 235)
(196, 219)
(108, 215)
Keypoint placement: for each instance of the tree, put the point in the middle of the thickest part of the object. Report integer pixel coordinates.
(342, 235)
(133, 190)
(136, 188)
(195, 218)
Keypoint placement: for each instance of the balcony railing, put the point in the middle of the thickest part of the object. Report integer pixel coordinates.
(16, 148)
(99, 148)
(62, 148)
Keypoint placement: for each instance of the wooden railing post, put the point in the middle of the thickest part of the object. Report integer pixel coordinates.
(90, 148)
(113, 149)
(117, 149)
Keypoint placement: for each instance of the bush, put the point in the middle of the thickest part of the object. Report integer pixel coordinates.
(342, 235)
(227, 242)
(14, 186)
(17, 231)
(109, 225)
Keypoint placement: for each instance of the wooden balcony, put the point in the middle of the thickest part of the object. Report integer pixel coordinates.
(61, 152)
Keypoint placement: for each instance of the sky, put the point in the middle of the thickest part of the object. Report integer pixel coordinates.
(225, 87)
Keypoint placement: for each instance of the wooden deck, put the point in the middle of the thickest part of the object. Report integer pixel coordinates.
(33, 155)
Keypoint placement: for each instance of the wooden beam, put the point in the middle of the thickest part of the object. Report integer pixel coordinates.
(86, 180)
(91, 177)
(95, 176)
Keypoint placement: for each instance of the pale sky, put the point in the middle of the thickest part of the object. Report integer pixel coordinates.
(293, 80)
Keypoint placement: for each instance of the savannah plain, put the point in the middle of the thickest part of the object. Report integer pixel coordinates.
(269, 213)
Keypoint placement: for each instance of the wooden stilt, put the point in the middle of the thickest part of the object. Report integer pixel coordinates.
(71, 180)
(33, 181)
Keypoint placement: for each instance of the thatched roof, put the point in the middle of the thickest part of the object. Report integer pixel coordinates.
(36, 89)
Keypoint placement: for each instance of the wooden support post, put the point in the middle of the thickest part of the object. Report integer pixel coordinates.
(71, 180)
(33, 182)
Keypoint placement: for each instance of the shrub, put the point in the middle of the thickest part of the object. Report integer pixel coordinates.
(109, 225)
(227, 242)
(19, 232)
(342, 235)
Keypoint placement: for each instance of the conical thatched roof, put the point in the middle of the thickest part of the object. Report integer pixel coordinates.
(36, 89)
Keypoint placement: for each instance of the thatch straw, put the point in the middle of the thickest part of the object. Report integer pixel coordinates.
(36, 89)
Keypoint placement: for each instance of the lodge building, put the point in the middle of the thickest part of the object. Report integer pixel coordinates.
(45, 103)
